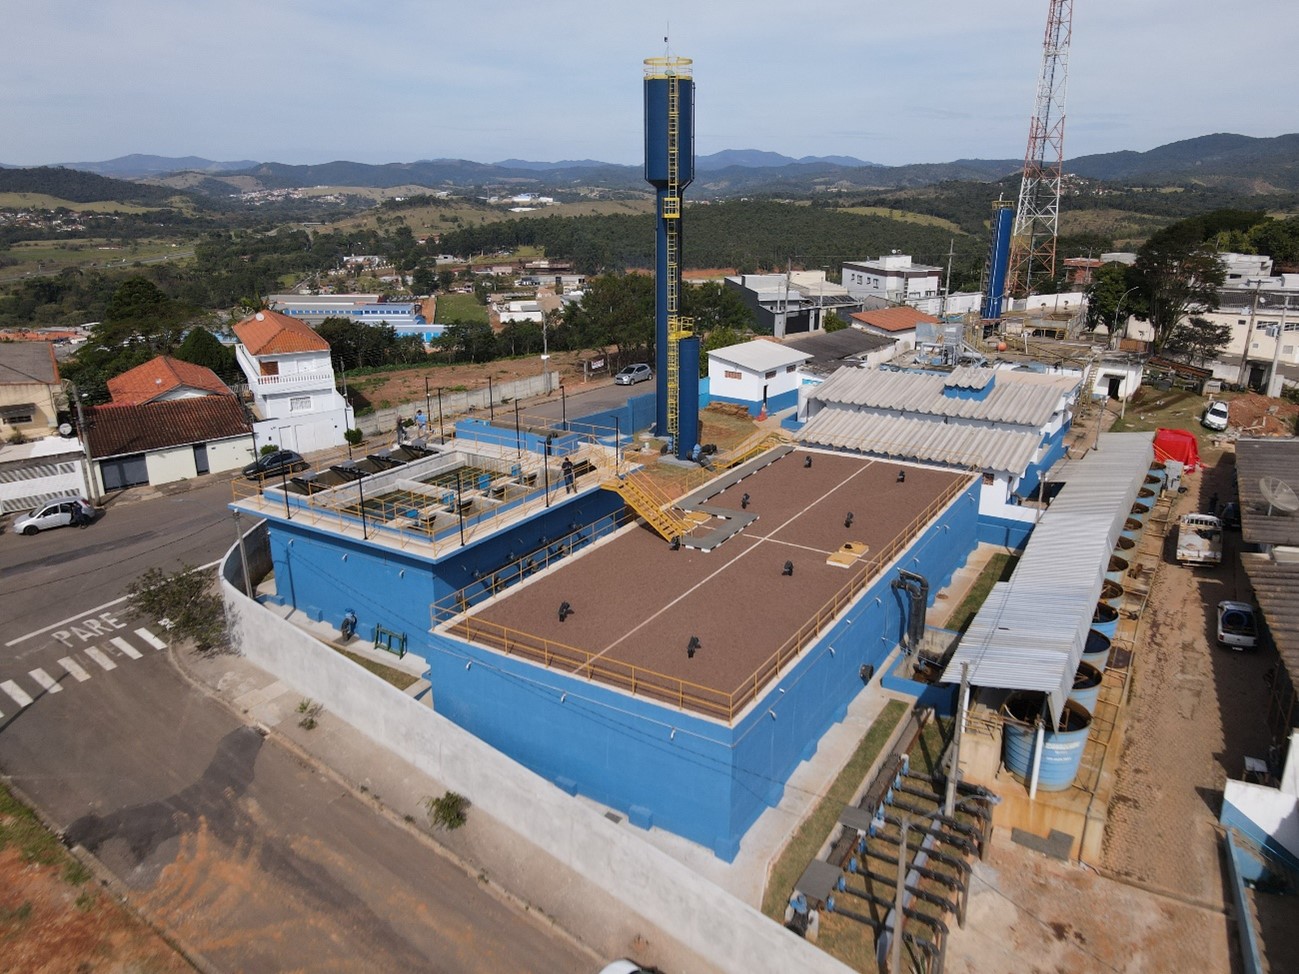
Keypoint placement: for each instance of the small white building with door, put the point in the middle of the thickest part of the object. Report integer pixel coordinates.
(291, 378)
(756, 374)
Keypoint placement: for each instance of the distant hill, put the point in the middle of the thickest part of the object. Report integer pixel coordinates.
(1236, 163)
(136, 166)
(84, 187)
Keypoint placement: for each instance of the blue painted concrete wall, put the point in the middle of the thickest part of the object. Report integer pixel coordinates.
(324, 575)
(637, 414)
(1054, 449)
(482, 431)
(709, 782)
(1004, 532)
(940, 696)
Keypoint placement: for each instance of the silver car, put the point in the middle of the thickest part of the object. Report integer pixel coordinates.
(633, 374)
(1237, 627)
(57, 513)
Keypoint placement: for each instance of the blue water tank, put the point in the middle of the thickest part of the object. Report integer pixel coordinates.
(1116, 568)
(1105, 620)
(1086, 687)
(659, 73)
(998, 262)
(1096, 651)
(1062, 749)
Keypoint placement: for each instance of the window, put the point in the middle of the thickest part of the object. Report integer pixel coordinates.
(733, 375)
(790, 368)
(13, 419)
(989, 479)
(771, 375)
(270, 368)
(300, 404)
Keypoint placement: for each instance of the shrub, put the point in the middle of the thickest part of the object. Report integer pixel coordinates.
(447, 812)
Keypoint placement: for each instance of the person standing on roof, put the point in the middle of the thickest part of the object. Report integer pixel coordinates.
(570, 476)
(421, 422)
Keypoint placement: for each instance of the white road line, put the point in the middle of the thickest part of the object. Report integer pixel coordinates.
(70, 619)
(17, 692)
(73, 667)
(125, 647)
(47, 682)
(98, 656)
(151, 639)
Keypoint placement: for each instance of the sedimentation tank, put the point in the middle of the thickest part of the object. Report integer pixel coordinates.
(670, 168)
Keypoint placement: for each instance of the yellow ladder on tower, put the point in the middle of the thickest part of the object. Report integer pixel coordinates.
(678, 327)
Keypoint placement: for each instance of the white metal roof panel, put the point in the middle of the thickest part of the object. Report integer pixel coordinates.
(759, 356)
(1031, 631)
(922, 438)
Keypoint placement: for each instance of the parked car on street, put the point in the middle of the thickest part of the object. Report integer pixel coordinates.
(58, 513)
(1237, 627)
(275, 465)
(1215, 416)
(633, 374)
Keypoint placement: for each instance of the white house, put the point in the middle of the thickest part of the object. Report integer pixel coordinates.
(291, 378)
(758, 374)
(898, 324)
(892, 277)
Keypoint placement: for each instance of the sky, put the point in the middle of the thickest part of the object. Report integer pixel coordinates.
(303, 81)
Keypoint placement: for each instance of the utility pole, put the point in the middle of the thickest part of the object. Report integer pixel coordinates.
(1242, 377)
(954, 770)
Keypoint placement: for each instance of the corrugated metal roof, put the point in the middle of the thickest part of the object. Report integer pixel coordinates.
(922, 438)
(1031, 631)
(968, 377)
(1276, 587)
(1257, 458)
(1017, 399)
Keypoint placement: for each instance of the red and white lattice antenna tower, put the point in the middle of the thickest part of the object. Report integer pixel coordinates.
(1037, 215)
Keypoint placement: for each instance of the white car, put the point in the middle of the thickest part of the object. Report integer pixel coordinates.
(57, 513)
(626, 967)
(633, 374)
(1215, 416)
(1237, 627)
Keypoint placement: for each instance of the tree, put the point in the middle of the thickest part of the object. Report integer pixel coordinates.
(1197, 340)
(1177, 272)
(1112, 285)
(201, 347)
(187, 599)
(833, 322)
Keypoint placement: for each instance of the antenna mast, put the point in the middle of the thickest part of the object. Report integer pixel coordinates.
(1037, 215)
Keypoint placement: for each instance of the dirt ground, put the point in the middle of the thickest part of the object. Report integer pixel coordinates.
(407, 385)
(49, 925)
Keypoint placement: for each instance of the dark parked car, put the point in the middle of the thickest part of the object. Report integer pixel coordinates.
(275, 464)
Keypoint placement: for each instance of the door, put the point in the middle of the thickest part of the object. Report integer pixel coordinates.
(1115, 381)
(200, 458)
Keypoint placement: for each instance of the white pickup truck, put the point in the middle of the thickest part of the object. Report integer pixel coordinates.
(1199, 539)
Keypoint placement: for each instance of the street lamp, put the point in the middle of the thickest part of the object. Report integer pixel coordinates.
(1115, 327)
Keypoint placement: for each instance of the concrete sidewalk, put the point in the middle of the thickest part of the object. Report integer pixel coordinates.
(499, 854)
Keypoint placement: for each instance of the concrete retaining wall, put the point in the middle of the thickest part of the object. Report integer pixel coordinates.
(728, 933)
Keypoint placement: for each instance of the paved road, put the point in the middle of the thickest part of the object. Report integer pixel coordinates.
(584, 401)
(253, 858)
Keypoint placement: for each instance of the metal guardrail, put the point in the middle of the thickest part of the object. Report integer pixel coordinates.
(650, 683)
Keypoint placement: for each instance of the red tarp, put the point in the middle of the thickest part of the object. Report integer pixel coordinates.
(1177, 445)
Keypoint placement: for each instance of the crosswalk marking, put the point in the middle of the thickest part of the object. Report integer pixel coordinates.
(151, 639)
(47, 682)
(125, 647)
(18, 693)
(74, 668)
(95, 653)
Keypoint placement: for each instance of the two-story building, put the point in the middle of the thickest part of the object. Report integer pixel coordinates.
(29, 389)
(291, 378)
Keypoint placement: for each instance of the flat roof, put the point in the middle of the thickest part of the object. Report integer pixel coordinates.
(637, 603)
(760, 355)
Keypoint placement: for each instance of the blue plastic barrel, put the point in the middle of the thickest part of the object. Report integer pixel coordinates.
(1062, 749)
(1112, 592)
(1116, 568)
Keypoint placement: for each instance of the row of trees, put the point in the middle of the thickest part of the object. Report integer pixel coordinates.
(1178, 273)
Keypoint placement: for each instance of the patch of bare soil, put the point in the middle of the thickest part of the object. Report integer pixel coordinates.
(1255, 415)
(407, 385)
(51, 925)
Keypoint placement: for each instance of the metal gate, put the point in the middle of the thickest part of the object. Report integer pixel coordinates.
(122, 472)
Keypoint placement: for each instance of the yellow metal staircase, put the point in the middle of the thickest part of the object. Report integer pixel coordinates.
(640, 494)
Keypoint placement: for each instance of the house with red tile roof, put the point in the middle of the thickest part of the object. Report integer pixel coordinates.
(162, 379)
(167, 440)
(291, 378)
(898, 323)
